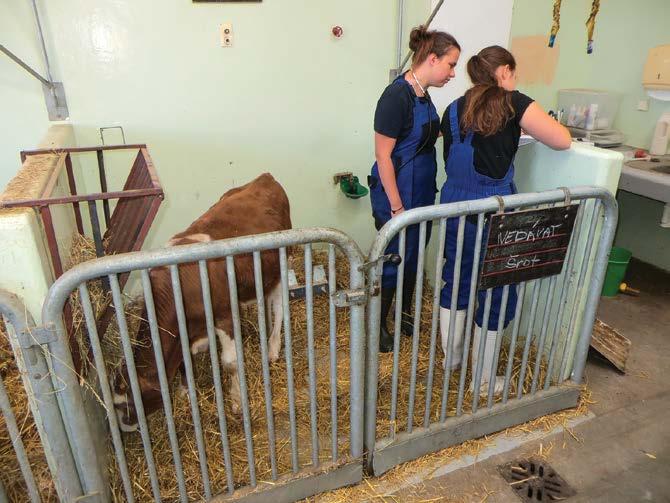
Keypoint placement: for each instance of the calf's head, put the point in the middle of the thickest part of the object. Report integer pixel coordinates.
(124, 401)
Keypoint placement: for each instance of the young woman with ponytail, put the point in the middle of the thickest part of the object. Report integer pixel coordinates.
(481, 133)
(403, 177)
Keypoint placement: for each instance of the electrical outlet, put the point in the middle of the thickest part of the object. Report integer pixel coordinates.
(227, 35)
(643, 105)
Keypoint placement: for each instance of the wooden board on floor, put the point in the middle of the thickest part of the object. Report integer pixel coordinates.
(611, 344)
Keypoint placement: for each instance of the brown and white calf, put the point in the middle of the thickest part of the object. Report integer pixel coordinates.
(257, 207)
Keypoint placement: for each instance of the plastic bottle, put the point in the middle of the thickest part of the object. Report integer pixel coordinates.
(591, 116)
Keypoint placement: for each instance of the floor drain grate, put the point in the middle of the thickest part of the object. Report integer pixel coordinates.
(534, 480)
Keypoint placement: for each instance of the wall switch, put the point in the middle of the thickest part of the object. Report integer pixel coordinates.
(227, 35)
(643, 105)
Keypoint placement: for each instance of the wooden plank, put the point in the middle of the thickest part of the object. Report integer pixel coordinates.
(610, 344)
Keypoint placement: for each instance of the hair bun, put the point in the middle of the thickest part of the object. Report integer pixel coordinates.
(417, 36)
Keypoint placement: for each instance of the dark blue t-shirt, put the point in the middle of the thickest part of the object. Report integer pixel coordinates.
(394, 115)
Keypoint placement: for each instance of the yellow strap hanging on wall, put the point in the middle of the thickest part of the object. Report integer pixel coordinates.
(556, 24)
(591, 24)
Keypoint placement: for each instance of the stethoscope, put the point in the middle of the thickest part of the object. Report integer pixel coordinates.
(430, 124)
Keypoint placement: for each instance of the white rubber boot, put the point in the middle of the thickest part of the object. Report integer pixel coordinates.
(459, 330)
(489, 353)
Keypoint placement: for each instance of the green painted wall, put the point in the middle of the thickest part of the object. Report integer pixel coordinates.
(287, 98)
(624, 33)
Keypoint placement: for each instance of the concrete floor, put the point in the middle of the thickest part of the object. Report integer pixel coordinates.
(623, 453)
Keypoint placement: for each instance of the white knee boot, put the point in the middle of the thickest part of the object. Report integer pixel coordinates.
(489, 353)
(457, 345)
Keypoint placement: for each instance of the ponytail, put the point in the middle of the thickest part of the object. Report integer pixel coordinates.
(488, 106)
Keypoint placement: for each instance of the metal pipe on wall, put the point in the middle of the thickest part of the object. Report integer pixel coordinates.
(401, 12)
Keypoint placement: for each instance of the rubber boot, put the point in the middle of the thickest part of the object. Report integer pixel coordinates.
(489, 352)
(459, 331)
(385, 338)
(407, 323)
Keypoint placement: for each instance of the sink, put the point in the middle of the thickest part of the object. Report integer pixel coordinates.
(647, 178)
(662, 169)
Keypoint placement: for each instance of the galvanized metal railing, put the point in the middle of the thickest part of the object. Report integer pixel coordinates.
(562, 342)
(42, 400)
(282, 486)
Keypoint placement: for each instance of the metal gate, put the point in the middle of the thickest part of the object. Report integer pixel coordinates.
(549, 336)
(314, 465)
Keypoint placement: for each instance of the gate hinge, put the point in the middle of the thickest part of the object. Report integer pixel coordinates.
(37, 336)
(345, 298)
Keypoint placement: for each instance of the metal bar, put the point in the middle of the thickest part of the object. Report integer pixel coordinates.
(52, 243)
(512, 344)
(53, 177)
(288, 350)
(357, 339)
(309, 306)
(95, 227)
(216, 374)
(372, 360)
(477, 375)
(126, 194)
(153, 174)
(332, 287)
(25, 66)
(417, 322)
(75, 150)
(567, 283)
(543, 332)
(17, 443)
(148, 220)
(452, 320)
(400, 279)
(241, 373)
(470, 314)
(103, 184)
(190, 380)
(262, 333)
(42, 400)
(401, 11)
(427, 23)
(439, 261)
(164, 383)
(537, 286)
(595, 286)
(499, 334)
(134, 385)
(73, 191)
(44, 46)
(107, 395)
(574, 309)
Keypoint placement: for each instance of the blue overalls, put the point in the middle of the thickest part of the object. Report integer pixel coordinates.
(415, 178)
(465, 183)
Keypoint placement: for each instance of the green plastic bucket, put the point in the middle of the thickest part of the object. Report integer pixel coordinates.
(616, 270)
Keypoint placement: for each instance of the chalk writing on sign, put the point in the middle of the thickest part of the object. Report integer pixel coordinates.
(526, 245)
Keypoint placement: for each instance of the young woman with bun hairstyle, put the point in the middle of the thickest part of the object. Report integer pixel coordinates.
(403, 177)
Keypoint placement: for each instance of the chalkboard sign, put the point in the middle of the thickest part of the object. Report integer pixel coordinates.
(526, 245)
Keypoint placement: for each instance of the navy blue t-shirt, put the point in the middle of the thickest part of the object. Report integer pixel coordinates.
(394, 115)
